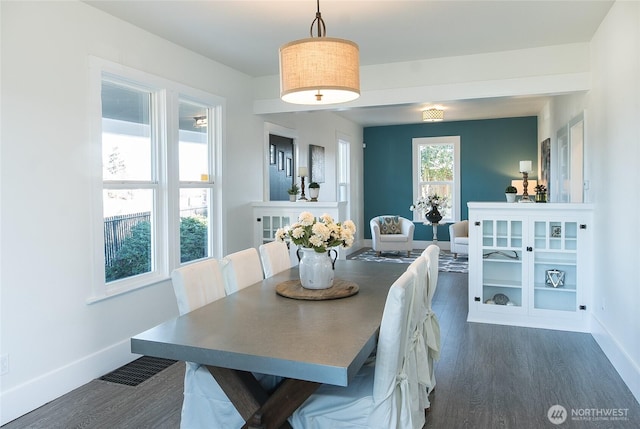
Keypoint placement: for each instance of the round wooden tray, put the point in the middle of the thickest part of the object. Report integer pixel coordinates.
(340, 289)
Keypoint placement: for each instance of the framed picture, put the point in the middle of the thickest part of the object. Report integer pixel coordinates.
(316, 163)
(545, 164)
(272, 154)
(289, 167)
(280, 160)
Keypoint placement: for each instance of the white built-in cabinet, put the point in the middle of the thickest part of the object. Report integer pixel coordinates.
(271, 215)
(530, 264)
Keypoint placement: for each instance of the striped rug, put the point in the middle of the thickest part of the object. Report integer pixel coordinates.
(447, 262)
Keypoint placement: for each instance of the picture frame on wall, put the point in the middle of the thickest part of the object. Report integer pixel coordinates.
(316, 163)
(272, 154)
(280, 160)
(545, 164)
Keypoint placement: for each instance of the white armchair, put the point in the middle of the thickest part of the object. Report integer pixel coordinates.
(400, 240)
(459, 237)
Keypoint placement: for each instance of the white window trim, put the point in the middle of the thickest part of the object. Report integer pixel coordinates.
(343, 139)
(166, 246)
(441, 140)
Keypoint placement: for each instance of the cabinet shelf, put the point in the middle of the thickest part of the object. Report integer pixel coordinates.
(554, 262)
(502, 283)
(563, 289)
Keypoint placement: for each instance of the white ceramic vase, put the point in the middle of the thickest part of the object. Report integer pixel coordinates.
(316, 269)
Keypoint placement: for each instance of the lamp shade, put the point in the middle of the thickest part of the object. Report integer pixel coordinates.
(525, 166)
(319, 70)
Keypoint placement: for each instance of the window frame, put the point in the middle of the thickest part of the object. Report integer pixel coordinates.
(417, 143)
(165, 99)
(343, 176)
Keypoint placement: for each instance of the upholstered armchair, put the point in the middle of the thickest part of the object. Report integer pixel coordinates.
(391, 233)
(459, 237)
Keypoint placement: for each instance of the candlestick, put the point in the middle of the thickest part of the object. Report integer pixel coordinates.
(302, 172)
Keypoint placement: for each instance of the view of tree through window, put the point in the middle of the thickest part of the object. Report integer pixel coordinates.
(142, 175)
(435, 172)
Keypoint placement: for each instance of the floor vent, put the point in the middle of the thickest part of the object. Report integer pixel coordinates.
(138, 371)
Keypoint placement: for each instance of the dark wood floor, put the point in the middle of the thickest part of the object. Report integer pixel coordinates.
(489, 376)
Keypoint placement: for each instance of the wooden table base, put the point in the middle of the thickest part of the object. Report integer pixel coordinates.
(258, 408)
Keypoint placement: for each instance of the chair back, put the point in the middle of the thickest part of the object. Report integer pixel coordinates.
(431, 326)
(275, 257)
(197, 284)
(394, 379)
(418, 345)
(241, 269)
(432, 254)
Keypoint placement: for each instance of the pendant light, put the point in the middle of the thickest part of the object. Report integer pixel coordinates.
(319, 70)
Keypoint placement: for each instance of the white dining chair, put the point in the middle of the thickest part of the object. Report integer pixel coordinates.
(379, 395)
(241, 269)
(431, 324)
(197, 284)
(418, 343)
(275, 257)
(204, 404)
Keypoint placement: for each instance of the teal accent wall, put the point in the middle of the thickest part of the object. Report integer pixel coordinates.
(490, 152)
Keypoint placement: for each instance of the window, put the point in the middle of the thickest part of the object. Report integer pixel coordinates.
(344, 170)
(436, 170)
(158, 141)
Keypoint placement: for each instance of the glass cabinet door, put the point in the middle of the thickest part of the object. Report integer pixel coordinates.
(270, 225)
(555, 265)
(502, 269)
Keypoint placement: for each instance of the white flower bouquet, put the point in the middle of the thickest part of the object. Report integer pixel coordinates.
(318, 234)
(424, 205)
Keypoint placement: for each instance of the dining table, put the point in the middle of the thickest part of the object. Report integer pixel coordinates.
(307, 342)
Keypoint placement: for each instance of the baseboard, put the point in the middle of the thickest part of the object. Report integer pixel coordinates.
(28, 396)
(621, 361)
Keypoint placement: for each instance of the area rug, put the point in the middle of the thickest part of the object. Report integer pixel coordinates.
(447, 262)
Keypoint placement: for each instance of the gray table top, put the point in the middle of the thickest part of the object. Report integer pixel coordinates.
(257, 330)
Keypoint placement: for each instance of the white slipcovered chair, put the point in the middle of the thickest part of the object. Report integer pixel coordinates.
(459, 237)
(275, 257)
(241, 269)
(418, 345)
(431, 325)
(380, 395)
(395, 238)
(205, 405)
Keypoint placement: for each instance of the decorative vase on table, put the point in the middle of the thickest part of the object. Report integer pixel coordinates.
(316, 268)
(315, 238)
(433, 215)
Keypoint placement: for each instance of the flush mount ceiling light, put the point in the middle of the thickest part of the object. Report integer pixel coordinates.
(319, 70)
(201, 121)
(433, 115)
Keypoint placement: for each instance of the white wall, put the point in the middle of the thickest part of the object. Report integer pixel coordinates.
(54, 339)
(613, 142)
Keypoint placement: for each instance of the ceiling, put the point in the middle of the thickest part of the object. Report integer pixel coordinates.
(246, 36)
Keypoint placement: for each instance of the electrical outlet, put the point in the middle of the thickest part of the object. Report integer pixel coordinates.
(4, 364)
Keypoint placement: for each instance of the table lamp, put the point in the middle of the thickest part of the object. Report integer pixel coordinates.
(525, 169)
